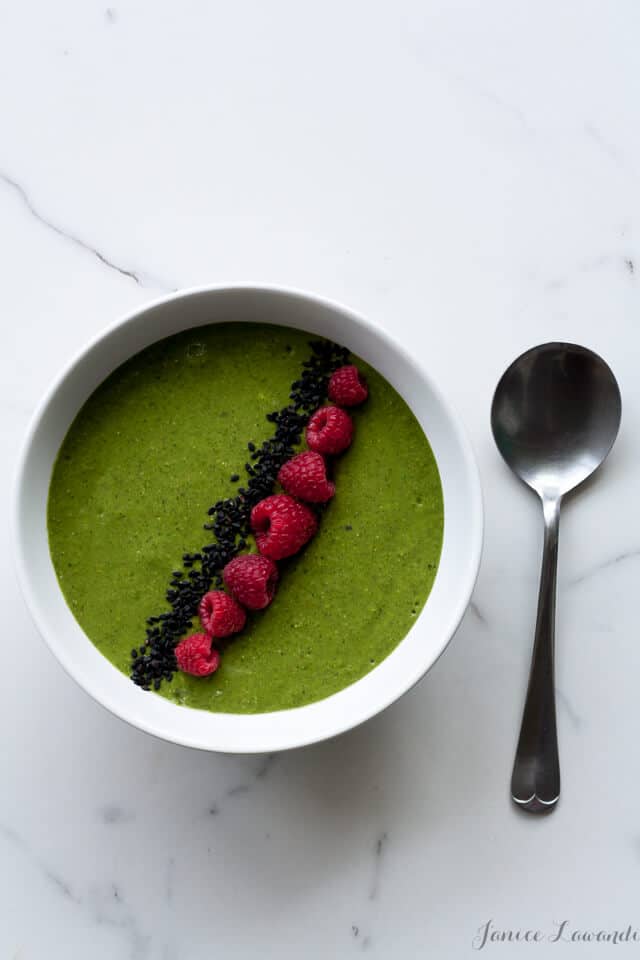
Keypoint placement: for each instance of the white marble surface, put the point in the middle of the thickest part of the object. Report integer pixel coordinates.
(466, 174)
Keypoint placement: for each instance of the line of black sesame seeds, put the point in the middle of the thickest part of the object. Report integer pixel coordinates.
(154, 661)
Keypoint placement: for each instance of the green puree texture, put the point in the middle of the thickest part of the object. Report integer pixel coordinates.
(154, 447)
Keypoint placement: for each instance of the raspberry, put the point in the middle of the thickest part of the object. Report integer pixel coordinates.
(196, 656)
(282, 526)
(347, 387)
(220, 615)
(329, 430)
(305, 476)
(251, 580)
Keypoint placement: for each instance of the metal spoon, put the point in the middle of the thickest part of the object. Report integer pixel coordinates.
(555, 416)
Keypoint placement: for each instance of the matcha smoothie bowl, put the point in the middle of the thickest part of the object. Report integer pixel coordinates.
(246, 520)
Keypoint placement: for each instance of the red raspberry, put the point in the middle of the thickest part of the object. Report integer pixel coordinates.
(196, 656)
(220, 615)
(347, 387)
(282, 526)
(329, 430)
(252, 580)
(305, 476)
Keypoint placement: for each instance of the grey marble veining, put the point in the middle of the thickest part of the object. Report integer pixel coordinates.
(138, 278)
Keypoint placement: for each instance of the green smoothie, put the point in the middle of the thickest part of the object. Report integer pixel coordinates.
(155, 446)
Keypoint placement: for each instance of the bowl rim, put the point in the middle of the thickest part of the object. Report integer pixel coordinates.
(370, 707)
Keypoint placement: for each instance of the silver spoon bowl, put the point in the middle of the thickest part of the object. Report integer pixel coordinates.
(555, 416)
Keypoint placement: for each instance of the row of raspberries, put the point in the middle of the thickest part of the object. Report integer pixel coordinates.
(281, 524)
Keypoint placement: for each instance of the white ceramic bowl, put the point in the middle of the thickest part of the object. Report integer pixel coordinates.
(287, 728)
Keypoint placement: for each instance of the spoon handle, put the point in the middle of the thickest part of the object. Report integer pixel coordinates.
(535, 782)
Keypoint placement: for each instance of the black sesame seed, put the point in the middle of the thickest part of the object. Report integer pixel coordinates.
(234, 477)
(155, 660)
